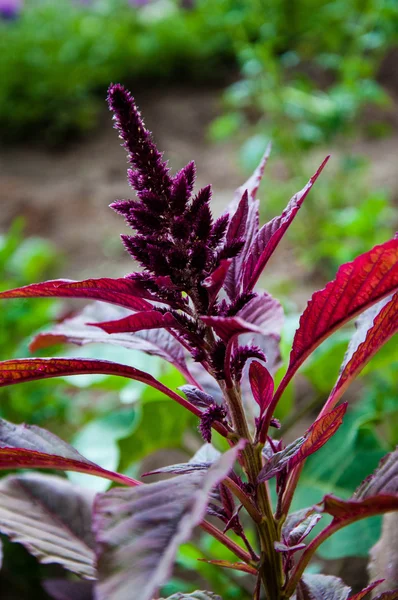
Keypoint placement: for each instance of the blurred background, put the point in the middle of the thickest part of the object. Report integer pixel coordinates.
(216, 81)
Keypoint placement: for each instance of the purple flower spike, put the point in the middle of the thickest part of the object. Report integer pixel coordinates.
(174, 231)
(152, 172)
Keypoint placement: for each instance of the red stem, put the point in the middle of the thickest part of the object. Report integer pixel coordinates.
(231, 545)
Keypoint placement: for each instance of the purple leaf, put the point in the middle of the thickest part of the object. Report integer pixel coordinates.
(280, 547)
(201, 461)
(138, 533)
(123, 292)
(51, 518)
(29, 446)
(149, 319)
(322, 587)
(265, 312)
(384, 480)
(157, 342)
(237, 225)
(62, 589)
(234, 277)
(299, 533)
(180, 469)
(298, 525)
(233, 280)
(31, 369)
(357, 286)
(374, 328)
(280, 460)
(206, 453)
(262, 385)
(271, 233)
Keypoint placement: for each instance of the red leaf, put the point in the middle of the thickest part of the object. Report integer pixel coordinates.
(238, 566)
(262, 385)
(319, 433)
(375, 327)
(366, 590)
(123, 292)
(229, 327)
(31, 369)
(271, 233)
(348, 511)
(358, 285)
(149, 319)
(30, 447)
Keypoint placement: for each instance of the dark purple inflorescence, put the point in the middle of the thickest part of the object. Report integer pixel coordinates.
(175, 236)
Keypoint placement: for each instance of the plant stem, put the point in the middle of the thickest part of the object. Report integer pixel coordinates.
(270, 561)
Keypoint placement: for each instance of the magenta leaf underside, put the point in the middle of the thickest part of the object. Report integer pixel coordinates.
(138, 531)
(51, 517)
(75, 330)
(322, 587)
